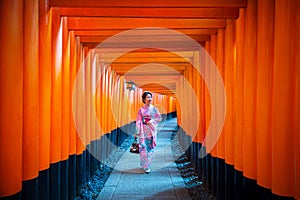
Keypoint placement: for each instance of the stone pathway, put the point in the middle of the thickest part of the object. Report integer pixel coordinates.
(128, 181)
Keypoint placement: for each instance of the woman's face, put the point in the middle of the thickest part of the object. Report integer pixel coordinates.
(148, 99)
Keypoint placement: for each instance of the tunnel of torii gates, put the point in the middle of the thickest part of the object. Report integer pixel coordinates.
(254, 45)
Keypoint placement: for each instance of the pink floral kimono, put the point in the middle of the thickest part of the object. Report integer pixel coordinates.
(147, 133)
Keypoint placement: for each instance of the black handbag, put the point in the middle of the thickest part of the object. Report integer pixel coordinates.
(134, 148)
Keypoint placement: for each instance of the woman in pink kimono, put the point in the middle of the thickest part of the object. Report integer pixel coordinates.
(147, 121)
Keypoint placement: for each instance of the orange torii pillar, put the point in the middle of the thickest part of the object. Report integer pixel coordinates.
(11, 101)
(30, 146)
(45, 27)
(56, 105)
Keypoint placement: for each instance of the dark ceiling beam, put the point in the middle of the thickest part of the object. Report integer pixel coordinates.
(125, 67)
(150, 4)
(208, 31)
(174, 54)
(144, 60)
(194, 13)
(91, 23)
(197, 38)
(124, 48)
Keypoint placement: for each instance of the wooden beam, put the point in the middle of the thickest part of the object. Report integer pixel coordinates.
(164, 54)
(90, 23)
(170, 46)
(160, 87)
(135, 71)
(121, 68)
(167, 85)
(145, 78)
(150, 69)
(157, 38)
(179, 66)
(159, 90)
(154, 79)
(210, 31)
(144, 60)
(118, 67)
(150, 4)
(163, 65)
(195, 13)
(124, 48)
(129, 73)
(122, 73)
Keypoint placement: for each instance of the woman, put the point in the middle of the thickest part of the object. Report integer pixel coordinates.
(147, 121)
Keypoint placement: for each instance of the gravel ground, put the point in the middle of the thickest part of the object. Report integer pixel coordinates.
(187, 172)
(92, 189)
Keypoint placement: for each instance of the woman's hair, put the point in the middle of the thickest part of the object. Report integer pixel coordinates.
(145, 95)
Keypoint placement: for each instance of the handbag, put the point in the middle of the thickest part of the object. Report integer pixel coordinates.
(134, 148)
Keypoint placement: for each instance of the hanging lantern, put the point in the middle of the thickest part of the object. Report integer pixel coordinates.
(130, 85)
